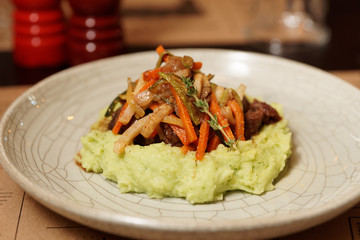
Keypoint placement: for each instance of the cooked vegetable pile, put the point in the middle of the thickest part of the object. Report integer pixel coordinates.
(177, 104)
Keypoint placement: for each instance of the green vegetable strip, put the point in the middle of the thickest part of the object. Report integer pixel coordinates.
(180, 90)
(111, 107)
(213, 87)
(225, 97)
(161, 56)
(237, 97)
(187, 62)
(157, 83)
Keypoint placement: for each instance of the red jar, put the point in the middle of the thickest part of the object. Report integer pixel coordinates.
(94, 30)
(37, 5)
(39, 33)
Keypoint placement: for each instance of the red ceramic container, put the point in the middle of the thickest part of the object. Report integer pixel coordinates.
(37, 5)
(111, 21)
(39, 33)
(94, 30)
(45, 16)
(44, 51)
(85, 51)
(39, 29)
(95, 7)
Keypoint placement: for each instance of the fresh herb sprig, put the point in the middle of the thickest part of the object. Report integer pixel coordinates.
(204, 107)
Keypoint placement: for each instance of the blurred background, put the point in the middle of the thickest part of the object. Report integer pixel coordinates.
(322, 33)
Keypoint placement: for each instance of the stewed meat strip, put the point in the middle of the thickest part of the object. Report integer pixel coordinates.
(257, 115)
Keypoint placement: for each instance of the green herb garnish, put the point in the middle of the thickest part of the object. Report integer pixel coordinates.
(204, 107)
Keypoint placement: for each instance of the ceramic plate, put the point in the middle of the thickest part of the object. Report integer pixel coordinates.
(40, 134)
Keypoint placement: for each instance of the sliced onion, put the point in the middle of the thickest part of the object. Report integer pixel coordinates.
(138, 111)
(241, 91)
(129, 93)
(198, 82)
(133, 107)
(127, 115)
(227, 113)
(128, 136)
(139, 85)
(144, 98)
(172, 119)
(219, 92)
(206, 87)
(155, 118)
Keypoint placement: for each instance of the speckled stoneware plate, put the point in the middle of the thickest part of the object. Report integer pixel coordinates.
(40, 134)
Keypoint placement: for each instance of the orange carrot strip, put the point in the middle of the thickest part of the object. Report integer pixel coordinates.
(151, 74)
(160, 49)
(203, 138)
(213, 143)
(185, 117)
(196, 65)
(148, 84)
(181, 133)
(154, 105)
(239, 119)
(184, 149)
(117, 127)
(154, 133)
(215, 109)
(118, 124)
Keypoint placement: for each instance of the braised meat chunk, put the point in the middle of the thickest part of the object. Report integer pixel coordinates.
(258, 114)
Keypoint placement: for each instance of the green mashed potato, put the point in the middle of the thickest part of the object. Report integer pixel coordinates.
(160, 170)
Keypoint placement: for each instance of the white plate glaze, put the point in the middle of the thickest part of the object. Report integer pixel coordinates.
(40, 134)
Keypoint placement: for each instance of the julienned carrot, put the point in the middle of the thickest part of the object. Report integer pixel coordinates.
(181, 133)
(154, 133)
(239, 119)
(154, 105)
(160, 50)
(213, 143)
(118, 124)
(184, 149)
(148, 84)
(185, 117)
(197, 65)
(215, 110)
(151, 74)
(203, 138)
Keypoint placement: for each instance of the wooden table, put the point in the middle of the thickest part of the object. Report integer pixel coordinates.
(23, 218)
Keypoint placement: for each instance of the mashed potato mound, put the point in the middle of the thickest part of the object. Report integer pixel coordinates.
(160, 170)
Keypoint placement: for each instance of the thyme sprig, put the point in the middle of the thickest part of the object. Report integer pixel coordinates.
(204, 107)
